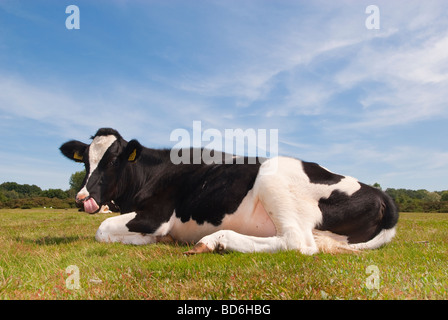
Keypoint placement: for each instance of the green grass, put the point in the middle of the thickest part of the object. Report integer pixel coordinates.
(36, 247)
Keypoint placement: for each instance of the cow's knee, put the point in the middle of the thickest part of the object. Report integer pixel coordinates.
(300, 240)
(213, 242)
(103, 232)
(107, 232)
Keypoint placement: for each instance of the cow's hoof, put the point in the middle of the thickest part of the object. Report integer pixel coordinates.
(198, 248)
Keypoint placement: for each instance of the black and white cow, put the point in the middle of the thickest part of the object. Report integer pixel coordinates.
(277, 204)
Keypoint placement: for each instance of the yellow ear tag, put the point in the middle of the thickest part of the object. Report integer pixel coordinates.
(132, 155)
(77, 156)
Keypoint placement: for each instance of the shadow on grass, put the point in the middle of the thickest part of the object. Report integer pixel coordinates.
(48, 240)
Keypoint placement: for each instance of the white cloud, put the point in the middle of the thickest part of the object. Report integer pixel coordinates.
(291, 46)
(402, 85)
(129, 107)
(278, 46)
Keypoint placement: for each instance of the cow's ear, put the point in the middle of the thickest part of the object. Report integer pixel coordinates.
(132, 151)
(74, 150)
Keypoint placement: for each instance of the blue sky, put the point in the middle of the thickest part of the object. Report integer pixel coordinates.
(372, 104)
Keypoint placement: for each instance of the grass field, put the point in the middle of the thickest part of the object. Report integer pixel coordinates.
(38, 245)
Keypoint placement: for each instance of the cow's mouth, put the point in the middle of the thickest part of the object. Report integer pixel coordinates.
(90, 206)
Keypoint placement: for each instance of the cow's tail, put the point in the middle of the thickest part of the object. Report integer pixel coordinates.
(330, 242)
(333, 243)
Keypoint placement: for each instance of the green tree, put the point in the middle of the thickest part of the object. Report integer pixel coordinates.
(55, 193)
(11, 194)
(76, 180)
(432, 197)
(377, 185)
(23, 190)
(444, 195)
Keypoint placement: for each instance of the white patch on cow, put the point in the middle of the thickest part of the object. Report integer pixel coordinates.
(348, 185)
(249, 219)
(190, 231)
(97, 149)
(115, 230)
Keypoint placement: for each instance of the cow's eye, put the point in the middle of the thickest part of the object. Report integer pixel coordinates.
(113, 163)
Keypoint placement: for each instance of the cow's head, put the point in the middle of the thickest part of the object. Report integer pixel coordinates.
(104, 160)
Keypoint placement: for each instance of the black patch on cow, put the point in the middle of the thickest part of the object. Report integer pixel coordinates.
(153, 211)
(213, 191)
(360, 216)
(319, 175)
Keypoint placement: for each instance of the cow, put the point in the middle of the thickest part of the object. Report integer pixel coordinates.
(255, 205)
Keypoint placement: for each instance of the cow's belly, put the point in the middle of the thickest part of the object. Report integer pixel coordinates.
(250, 219)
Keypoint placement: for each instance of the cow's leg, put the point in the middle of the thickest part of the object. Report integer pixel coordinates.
(115, 230)
(286, 196)
(232, 241)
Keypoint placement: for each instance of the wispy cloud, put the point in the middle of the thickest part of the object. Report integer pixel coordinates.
(409, 82)
(71, 113)
(400, 69)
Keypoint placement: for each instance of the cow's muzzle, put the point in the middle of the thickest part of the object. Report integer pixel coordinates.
(89, 204)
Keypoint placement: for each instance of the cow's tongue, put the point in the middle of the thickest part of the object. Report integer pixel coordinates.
(90, 206)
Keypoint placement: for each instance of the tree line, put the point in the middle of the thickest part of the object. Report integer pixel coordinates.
(419, 200)
(14, 195)
(25, 196)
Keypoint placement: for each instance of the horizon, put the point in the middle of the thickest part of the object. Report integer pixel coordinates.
(360, 93)
(375, 185)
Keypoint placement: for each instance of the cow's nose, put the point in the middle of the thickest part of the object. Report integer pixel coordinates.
(81, 197)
